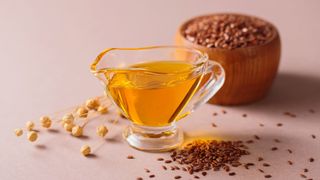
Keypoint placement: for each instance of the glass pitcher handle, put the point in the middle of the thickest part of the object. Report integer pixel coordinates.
(212, 80)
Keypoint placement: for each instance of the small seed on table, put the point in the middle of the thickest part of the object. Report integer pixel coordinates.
(303, 176)
(279, 124)
(274, 148)
(152, 176)
(266, 164)
(268, 176)
(256, 137)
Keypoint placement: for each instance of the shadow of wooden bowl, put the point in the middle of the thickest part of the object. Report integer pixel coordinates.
(250, 71)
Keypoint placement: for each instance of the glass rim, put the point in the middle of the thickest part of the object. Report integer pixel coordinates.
(203, 58)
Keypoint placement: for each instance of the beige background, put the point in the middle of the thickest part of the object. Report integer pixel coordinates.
(46, 48)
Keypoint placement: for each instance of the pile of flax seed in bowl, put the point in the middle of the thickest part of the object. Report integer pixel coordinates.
(228, 31)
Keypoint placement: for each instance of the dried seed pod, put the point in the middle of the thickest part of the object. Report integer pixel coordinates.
(85, 150)
(102, 110)
(30, 125)
(18, 132)
(92, 104)
(77, 131)
(82, 112)
(68, 126)
(68, 119)
(45, 121)
(32, 136)
(102, 130)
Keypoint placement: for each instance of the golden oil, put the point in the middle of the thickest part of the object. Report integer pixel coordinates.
(153, 93)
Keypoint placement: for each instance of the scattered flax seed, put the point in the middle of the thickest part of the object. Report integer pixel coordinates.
(266, 164)
(260, 159)
(204, 155)
(213, 125)
(268, 176)
(290, 162)
(290, 114)
(247, 165)
(164, 167)
(139, 178)
(160, 159)
(204, 173)
(305, 170)
(172, 168)
(274, 148)
(244, 115)
(313, 136)
(215, 114)
(262, 171)
(177, 177)
(196, 177)
(224, 111)
(311, 111)
(184, 169)
(256, 137)
(303, 176)
(277, 140)
(250, 141)
(261, 125)
(168, 161)
(147, 170)
(289, 150)
(152, 176)
(130, 157)
(232, 174)
(226, 168)
(279, 124)
(311, 160)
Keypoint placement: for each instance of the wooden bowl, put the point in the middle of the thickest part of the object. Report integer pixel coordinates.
(250, 71)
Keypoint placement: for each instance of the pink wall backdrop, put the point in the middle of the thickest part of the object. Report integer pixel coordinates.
(46, 48)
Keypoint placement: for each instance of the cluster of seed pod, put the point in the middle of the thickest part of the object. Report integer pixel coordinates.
(68, 122)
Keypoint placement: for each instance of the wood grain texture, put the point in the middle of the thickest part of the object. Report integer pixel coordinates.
(250, 71)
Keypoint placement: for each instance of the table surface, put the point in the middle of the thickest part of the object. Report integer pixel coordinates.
(47, 46)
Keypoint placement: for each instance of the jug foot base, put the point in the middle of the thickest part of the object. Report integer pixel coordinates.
(155, 139)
